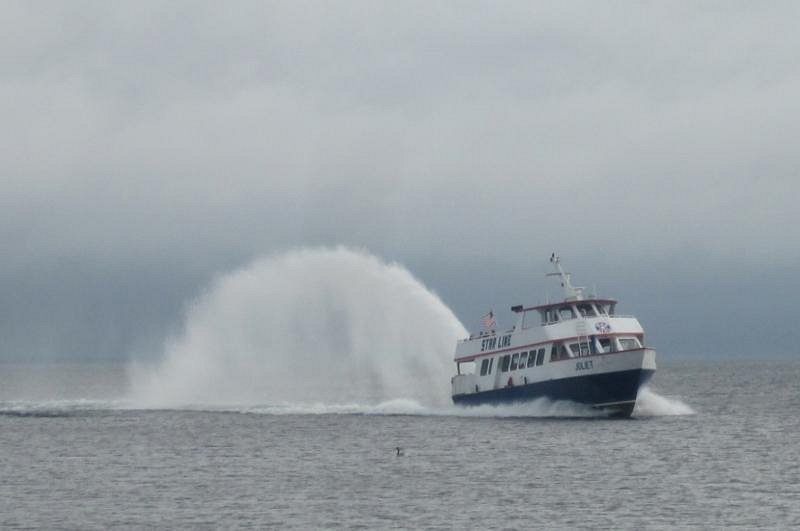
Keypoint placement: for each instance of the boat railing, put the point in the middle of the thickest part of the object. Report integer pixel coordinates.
(490, 333)
(479, 335)
(493, 333)
(615, 316)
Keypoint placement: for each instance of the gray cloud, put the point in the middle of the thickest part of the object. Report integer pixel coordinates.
(148, 146)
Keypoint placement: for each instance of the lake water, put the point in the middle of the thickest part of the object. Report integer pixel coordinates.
(714, 445)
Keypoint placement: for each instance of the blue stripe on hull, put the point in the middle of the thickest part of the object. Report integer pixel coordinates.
(591, 389)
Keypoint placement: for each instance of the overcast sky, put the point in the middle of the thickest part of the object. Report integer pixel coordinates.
(147, 146)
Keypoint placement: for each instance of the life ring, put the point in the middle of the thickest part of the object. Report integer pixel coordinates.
(602, 327)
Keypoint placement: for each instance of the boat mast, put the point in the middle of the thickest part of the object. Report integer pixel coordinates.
(574, 293)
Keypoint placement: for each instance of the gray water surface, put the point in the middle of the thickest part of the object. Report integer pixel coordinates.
(71, 456)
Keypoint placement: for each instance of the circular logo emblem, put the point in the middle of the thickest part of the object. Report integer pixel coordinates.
(602, 327)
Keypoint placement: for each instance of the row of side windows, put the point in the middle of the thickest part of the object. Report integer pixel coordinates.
(558, 351)
(521, 360)
(565, 313)
(513, 362)
(595, 345)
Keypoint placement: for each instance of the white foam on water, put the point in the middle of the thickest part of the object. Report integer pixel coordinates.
(58, 407)
(309, 326)
(542, 407)
(651, 404)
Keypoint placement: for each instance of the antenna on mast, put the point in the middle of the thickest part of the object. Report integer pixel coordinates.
(570, 292)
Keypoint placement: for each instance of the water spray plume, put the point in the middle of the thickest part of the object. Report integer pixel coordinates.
(307, 326)
(651, 404)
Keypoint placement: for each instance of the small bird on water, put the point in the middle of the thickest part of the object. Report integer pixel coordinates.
(399, 451)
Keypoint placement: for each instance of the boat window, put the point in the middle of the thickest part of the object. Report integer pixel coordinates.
(540, 357)
(565, 312)
(532, 358)
(491, 362)
(504, 363)
(551, 315)
(514, 360)
(579, 349)
(559, 352)
(523, 360)
(586, 310)
(629, 343)
(484, 366)
(601, 309)
(605, 344)
(562, 353)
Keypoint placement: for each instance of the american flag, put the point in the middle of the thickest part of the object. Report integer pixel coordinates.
(488, 320)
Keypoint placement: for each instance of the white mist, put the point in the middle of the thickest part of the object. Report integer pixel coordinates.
(308, 326)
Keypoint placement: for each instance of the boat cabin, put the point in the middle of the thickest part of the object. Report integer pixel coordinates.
(546, 314)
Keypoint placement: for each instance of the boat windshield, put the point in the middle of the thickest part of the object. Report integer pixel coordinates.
(629, 343)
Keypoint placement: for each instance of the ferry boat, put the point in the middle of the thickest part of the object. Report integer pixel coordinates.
(577, 349)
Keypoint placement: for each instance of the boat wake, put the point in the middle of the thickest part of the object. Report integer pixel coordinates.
(58, 408)
(542, 408)
(650, 404)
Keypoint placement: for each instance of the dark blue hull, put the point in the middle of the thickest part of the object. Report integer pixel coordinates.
(615, 391)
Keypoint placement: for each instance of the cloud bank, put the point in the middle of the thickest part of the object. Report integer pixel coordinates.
(148, 147)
